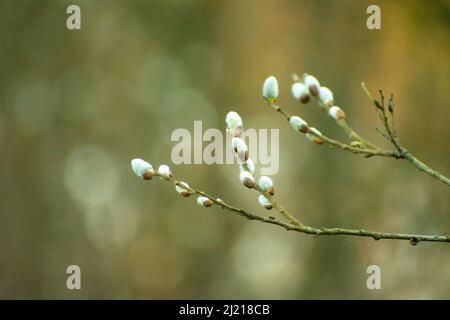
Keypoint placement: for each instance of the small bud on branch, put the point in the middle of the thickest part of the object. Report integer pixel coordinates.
(247, 166)
(204, 201)
(270, 89)
(298, 124)
(247, 179)
(142, 169)
(312, 84)
(164, 171)
(336, 113)
(240, 149)
(300, 92)
(183, 191)
(266, 185)
(314, 136)
(265, 202)
(326, 96)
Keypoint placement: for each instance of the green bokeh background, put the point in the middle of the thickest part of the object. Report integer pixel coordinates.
(77, 106)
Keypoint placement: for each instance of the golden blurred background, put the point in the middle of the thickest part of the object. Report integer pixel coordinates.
(77, 105)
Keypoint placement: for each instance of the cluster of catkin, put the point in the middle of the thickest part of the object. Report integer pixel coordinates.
(303, 89)
(235, 127)
(145, 170)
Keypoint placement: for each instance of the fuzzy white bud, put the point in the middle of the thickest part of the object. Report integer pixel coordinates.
(326, 96)
(266, 185)
(204, 201)
(298, 124)
(312, 84)
(233, 120)
(336, 113)
(184, 191)
(142, 168)
(300, 92)
(264, 202)
(236, 132)
(247, 179)
(240, 149)
(270, 88)
(314, 135)
(247, 166)
(164, 171)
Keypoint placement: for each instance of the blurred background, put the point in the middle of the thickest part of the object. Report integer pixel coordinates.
(77, 106)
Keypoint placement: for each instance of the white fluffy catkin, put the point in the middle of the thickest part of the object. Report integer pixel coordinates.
(270, 88)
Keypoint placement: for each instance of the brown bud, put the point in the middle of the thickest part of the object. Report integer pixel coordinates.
(336, 113)
(314, 138)
(314, 90)
(391, 104)
(340, 115)
(249, 183)
(148, 175)
(378, 104)
(271, 190)
(319, 141)
(208, 203)
(304, 98)
(304, 128)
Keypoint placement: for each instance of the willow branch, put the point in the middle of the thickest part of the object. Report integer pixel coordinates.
(393, 138)
(367, 148)
(340, 145)
(298, 227)
(342, 123)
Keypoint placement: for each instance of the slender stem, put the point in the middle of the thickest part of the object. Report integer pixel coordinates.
(405, 154)
(337, 144)
(346, 127)
(353, 135)
(367, 152)
(392, 137)
(279, 208)
(413, 238)
(423, 167)
(372, 150)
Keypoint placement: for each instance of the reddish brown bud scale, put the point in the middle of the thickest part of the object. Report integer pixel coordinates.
(148, 175)
(304, 129)
(208, 203)
(249, 183)
(340, 115)
(314, 90)
(304, 98)
(319, 141)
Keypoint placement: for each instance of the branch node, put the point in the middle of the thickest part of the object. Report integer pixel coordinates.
(414, 241)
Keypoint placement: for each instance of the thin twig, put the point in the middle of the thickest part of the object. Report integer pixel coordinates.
(412, 238)
(340, 145)
(370, 149)
(392, 137)
(346, 127)
(279, 208)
